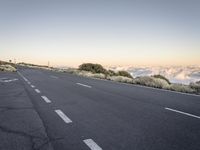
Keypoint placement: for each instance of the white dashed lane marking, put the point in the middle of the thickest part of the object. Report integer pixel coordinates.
(63, 116)
(88, 86)
(38, 91)
(184, 113)
(46, 99)
(32, 86)
(92, 145)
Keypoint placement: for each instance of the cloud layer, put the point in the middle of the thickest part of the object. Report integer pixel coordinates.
(177, 74)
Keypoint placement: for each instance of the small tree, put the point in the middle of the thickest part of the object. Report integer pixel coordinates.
(94, 68)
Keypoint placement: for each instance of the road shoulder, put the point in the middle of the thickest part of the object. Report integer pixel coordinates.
(20, 125)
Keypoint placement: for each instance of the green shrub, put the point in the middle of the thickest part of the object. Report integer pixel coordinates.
(94, 68)
(161, 77)
(124, 74)
(111, 73)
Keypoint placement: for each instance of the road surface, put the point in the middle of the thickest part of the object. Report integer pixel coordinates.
(42, 109)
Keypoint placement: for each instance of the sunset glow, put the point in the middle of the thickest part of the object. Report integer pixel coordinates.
(106, 32)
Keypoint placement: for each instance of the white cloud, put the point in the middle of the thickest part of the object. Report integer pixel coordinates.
(177, 74)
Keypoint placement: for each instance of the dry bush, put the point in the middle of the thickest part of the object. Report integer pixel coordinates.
(152, 82)
(181, 88)
(161, 77)
(196, 87)
(120, 79)
(89, 74)
(7, 68)
(124, 74)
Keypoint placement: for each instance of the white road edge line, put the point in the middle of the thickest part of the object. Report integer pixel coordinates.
(92, 145)
(84, 85)
(63, 116)
(46, 99)
(22, 76)
(32, 86)
(184, 113)
(38, 91)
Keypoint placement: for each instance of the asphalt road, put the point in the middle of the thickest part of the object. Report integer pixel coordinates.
(49, 110)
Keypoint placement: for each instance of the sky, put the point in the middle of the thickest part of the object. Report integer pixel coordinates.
(109, 32)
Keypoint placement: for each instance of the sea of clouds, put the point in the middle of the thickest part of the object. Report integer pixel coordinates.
(176, 74)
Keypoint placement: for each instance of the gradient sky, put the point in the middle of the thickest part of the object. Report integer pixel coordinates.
(109, 32)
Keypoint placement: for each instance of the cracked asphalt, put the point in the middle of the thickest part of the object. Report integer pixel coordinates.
(21, 128)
